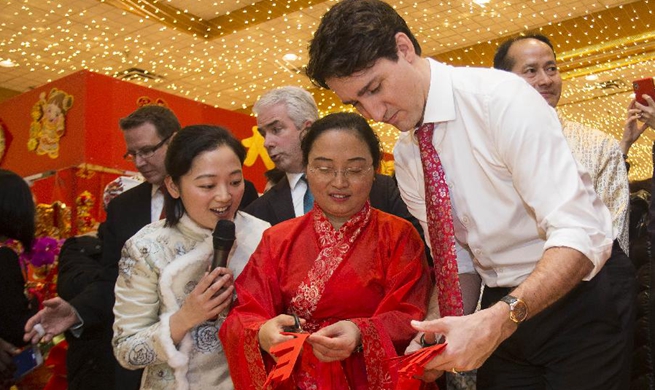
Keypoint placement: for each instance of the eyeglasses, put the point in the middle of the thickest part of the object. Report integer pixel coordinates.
(329, 173)
(146, 151)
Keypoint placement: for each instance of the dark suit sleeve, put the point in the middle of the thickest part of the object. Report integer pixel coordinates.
(15, 309)
(126, 214)
(259, 209)
(651, 211)
(385, 196)
(274, 206)
(250, 194)
(95, 304)
(79, 264)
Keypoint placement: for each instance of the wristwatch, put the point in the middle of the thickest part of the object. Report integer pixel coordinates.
(518, 309)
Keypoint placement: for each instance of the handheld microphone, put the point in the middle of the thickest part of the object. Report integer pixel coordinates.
(223, 239)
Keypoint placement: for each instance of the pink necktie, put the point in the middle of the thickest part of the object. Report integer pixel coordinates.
(440, 226)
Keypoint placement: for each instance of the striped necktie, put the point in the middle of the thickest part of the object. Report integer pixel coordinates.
(308, 199)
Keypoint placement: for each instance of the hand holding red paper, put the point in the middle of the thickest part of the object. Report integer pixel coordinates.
(272, 332)
(471, 339)
(413, 364)
(335, 342)
(287, 354)
(416, 344)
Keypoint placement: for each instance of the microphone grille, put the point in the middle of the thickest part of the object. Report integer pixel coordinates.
(224, 229)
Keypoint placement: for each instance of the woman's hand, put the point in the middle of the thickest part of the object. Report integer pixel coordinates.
(211, 296)
(335, 342)
(631, 129)
(647, 112)
(7, 367)
(270, 332)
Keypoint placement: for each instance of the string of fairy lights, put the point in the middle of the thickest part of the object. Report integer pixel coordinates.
(248, 52)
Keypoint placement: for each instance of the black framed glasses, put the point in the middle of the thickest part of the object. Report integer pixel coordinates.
(145, 152)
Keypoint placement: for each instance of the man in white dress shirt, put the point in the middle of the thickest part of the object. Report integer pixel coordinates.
(532, 57)
(538, 234)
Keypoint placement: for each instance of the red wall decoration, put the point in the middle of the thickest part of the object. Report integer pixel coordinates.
(90, 153)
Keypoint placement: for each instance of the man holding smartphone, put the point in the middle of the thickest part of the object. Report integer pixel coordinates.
(532, 58)
(507, 189)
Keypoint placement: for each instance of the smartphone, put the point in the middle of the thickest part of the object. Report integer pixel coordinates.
(644, 87)
(26, 361)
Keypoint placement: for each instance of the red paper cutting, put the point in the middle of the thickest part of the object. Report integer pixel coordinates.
(413, 365)
(287, 354)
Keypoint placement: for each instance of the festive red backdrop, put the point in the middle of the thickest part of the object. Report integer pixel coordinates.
(92, 135)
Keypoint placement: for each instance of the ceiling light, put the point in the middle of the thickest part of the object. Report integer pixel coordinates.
(290, 57)
(7, 63)
(591, 77)
(481, 2)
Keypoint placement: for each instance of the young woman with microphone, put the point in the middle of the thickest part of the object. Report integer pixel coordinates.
(168, 296)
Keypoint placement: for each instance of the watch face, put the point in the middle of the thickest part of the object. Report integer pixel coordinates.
(518, 311)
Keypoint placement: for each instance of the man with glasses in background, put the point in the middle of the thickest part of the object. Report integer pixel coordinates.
(147, 132)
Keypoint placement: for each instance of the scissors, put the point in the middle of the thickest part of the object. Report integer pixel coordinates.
(295, 328)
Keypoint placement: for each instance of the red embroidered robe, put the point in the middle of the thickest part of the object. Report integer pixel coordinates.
(381, 285)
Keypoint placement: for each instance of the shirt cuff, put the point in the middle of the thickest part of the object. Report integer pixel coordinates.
(76, 330)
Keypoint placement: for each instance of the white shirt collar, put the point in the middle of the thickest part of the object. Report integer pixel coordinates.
(440, 105)
(294, 178)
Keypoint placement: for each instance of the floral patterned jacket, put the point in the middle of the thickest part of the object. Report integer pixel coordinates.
(159, 267)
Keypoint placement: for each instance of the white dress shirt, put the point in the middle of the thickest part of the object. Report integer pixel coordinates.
(515, 188)
(298, 188)
(156, 203)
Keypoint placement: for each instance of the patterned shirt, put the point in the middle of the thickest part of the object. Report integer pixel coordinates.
(599, 153)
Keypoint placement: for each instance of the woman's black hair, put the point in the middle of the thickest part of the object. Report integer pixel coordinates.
(343, 121)
(186, 145)
(17, 211)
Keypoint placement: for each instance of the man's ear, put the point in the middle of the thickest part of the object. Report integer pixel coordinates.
(171, 187)
(305, 127)
(405, 47)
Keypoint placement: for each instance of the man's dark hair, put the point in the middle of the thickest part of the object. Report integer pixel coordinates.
(343, 121)
(188, 144)
(503, 62)
(352, 36)
(161, 117)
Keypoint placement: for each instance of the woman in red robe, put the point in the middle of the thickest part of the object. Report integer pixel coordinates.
(354, 275)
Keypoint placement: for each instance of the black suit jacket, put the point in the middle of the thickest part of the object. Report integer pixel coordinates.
(15, 309)
(276, 205)
(90, 361)
(126, 215)
(250, 194)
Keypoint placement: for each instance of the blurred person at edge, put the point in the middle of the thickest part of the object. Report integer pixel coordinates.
(17, 226)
